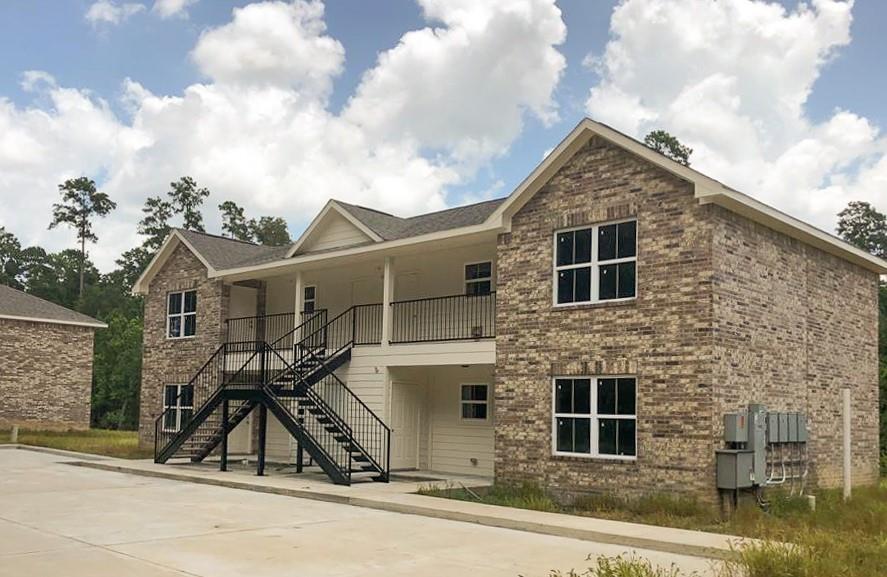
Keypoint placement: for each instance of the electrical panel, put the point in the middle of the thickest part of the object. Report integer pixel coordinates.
(736, 428)
(735, 469)
(765, 448)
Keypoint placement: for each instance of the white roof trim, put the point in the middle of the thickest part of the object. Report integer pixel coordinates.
(358, 249)
(166, 249)
(96, 325)
(707, 190)
(315, 223)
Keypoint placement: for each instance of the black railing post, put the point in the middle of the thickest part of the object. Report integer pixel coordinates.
(223, 463)
(263, 425)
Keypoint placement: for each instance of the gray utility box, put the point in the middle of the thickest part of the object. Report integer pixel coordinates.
(735, 468)
(736, 428)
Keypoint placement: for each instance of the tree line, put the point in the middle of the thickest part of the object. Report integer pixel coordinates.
(70, 279)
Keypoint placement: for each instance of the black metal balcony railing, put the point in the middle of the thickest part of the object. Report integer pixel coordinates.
(266, 328)
(451, 318)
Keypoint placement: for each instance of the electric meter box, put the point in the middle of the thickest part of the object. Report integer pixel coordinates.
(802, 428)
(735, 468)
(736, 428)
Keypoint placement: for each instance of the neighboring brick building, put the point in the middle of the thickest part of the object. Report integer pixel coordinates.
(586, 333)
(46, 354)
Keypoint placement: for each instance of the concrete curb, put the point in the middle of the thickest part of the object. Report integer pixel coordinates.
(482, 514)
(59, 452)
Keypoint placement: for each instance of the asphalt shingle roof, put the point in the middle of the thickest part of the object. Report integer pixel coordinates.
(224, 253)
(391, 227)
(15, 303)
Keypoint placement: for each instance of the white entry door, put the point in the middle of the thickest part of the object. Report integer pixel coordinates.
(405, 406)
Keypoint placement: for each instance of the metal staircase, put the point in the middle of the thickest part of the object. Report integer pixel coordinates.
(338, 430)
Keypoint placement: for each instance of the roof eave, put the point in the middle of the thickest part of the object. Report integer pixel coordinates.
(94, 325)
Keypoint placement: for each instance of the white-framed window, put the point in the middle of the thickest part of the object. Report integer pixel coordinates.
(178, 406)
(181, 314)
(595, 416)
(595, 263)
(474, 401)
(478, 278)
(309, 299)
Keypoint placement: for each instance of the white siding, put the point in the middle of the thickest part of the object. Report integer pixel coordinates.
(334, 232)
(278, 442)
(454, 442)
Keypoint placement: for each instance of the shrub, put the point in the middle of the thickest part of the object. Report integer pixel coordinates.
(620, 566)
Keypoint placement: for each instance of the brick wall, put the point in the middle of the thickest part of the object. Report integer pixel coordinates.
(175, 361)
(727, 312)
(45, 375)
(663, 337)
(793, 326)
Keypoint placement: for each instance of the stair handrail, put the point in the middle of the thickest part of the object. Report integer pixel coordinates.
(195, 408)
(293, 331)
(386, 429)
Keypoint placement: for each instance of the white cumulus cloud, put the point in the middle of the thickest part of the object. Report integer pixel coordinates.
(259, 130)
(171, 8)
(110, 12)
(732, 79)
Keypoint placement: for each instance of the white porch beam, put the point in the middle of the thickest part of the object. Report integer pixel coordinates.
(387, 296)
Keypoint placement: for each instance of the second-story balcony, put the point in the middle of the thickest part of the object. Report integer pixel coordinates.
(424, 320)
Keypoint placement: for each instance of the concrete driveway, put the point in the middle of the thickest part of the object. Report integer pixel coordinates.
(56, 519)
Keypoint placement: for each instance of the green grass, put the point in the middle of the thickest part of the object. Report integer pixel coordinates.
(838, 539)
(123, 444)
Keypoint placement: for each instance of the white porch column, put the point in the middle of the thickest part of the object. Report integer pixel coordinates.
(387, 295)
(299, 300)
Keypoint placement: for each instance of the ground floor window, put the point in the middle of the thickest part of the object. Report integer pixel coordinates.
(475, 402)
(178, 406)
(595, 416)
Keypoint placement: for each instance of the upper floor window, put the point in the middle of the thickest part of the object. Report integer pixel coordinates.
(596, 263)
(309, 300)
(478, 278)
(181, 314)
(595, 416)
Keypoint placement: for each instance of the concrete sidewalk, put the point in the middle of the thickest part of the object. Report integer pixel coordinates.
(401, 497)
(79, 521)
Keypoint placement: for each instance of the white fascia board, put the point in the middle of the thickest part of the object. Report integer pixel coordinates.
(95, 325)
(359, 250)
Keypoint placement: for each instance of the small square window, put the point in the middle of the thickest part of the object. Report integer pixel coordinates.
(479, 278)
(181, 316)
(474, 402)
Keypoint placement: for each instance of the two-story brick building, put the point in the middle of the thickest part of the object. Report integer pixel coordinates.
(586, 333)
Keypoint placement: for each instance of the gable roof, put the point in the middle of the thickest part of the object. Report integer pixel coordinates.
(391, 227)
(213, 251)
(18, 305)
(707, 190)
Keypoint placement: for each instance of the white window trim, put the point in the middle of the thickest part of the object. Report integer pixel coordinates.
(181, 315)
(178, 408)
(313, 301)
(464, 402)
(595, 264)
(465, 282)
(594, 417)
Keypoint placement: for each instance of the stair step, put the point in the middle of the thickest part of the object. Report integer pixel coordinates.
(361, 457)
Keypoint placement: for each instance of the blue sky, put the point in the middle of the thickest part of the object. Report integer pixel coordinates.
(762, 103)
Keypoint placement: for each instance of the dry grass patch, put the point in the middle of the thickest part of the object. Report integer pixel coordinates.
(122, 444)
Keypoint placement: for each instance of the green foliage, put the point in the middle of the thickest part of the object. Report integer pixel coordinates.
(81, 202)
(664, 143)
(155, 222)
(862, 225)
(10, 260)
(620, 566)
(270, 231)
(118, 364)
(56, 276)
(234, 223)
(187, 198)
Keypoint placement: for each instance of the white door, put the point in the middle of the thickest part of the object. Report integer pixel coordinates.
(405, 405)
